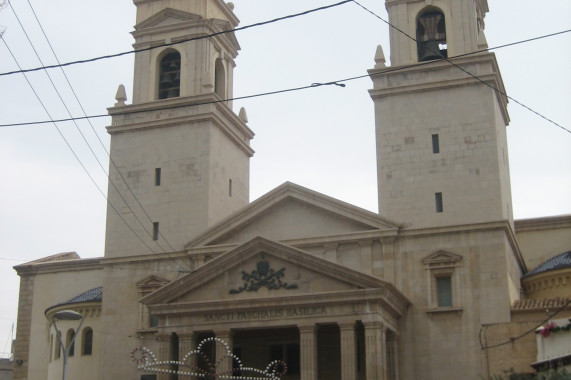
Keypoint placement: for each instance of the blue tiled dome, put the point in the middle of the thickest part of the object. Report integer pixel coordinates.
(92, 295)
(560, 261)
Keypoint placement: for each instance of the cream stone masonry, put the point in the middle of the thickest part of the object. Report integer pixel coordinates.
(428, 288)
(180, 163)
(471, 165)
(464, 21)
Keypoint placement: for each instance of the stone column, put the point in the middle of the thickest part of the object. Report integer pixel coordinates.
(348, 351)
(375, 351)
(164, 343)
(186, 344)
(224, 360)
(308, 352)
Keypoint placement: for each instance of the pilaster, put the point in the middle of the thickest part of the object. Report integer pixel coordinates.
(186, 343)
(348, 351)
(375, 351)
(308, 352)
(164, 342)
(224, 359)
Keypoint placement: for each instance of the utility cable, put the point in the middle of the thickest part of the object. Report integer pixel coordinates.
(76, 126)
(83, 136)
(511, 340)
(467, 72)
(69, 146)
(101, 142)
(181, 41)
(313, 85)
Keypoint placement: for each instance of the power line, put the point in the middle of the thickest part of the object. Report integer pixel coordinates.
(511, 340)
(305, 87)
(69, 146)
(449, 60)
(179, 42)
(101, 142)
(69, 112)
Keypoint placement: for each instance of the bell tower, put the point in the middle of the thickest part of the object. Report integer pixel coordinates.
(180, 155)
(440, 123)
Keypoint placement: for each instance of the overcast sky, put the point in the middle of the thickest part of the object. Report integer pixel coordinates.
(321, 138)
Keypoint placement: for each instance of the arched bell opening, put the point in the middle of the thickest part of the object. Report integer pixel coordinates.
(219, 78)
(431, 35)
(169, 75)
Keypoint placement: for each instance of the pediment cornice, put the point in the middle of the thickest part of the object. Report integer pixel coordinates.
(232, 260)
(291, 191)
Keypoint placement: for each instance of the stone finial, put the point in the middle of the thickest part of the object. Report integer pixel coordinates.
(242, 115)
(230, 5)
(379, 58)
(121, 96)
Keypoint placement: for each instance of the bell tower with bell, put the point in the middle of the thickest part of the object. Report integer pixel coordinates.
(179, 154)
(441, 113)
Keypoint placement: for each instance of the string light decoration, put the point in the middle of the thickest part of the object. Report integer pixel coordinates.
(147, 362)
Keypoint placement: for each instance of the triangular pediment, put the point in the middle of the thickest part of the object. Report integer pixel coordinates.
(151, 283)
(442, 257)
(167, 16)
(264, 269)
(292, 212)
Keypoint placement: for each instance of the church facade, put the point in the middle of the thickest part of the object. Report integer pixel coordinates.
(198, 282)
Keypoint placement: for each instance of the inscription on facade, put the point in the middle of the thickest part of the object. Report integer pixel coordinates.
(265, 314)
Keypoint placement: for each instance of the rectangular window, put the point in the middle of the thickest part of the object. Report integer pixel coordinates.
(156, 231)
(435, 144)
(439, 203)
(157, 176)
(444, 291)
(230, 187)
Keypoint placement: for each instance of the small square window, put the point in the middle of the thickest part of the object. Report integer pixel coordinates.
(435, 144)
(439, 202)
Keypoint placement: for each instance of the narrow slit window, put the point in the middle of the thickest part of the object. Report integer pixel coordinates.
(87, 348)
(230, 187)
(157, 176)
(439, 203)
(155, 230)
(435, 144)
(444, 291)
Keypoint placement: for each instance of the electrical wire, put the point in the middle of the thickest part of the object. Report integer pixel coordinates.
(101, 143)
(77, 127)
(299, 88)
(181, 41)
(511, 340)
(449, 60)
(69, 146)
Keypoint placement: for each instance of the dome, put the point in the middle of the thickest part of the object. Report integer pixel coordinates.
(560, 261)
(92, 295)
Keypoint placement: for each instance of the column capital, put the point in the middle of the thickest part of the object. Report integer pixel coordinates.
(163, 336)
(307, 328)
(388, 239)
(224, 333)
(374, 324)
(187, 336)
(346, 325)
(365, 243)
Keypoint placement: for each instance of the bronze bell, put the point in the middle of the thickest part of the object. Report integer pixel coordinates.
(166, 80)
(429, 50)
